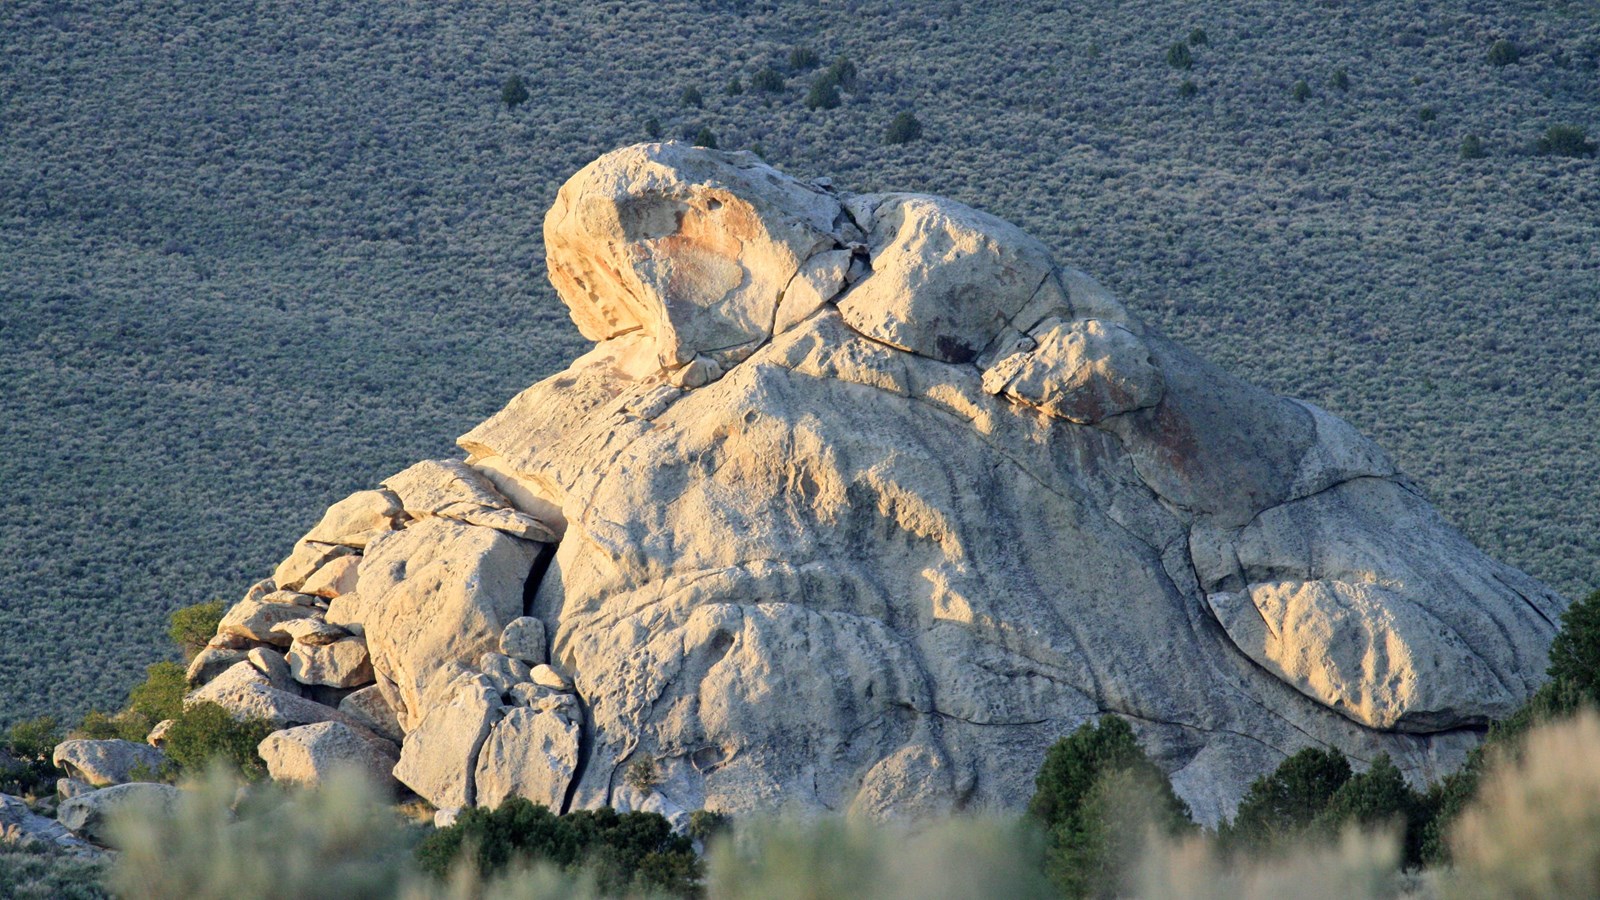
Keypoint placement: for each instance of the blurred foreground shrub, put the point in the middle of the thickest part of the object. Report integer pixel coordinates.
(224, 842)
(956, 858)
(1534, 830)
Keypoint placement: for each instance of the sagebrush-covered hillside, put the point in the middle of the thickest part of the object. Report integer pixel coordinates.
(255, 256)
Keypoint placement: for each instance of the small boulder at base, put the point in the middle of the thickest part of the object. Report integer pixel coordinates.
(22, 828)
(309, 754)
(88, 816)
(528, 754)
(108, 762)
(439, 757)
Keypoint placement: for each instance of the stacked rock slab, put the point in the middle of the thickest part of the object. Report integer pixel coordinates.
(859, 503)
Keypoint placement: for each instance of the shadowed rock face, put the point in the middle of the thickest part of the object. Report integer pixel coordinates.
(860, 502)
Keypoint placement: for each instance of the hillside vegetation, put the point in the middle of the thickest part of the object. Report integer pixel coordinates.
(255, 257)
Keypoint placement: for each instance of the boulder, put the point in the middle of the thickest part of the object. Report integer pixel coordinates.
(864, 501)
(368, 707)
(307, 558)
(254, 619)
(22, 828)
(309, 754)
(246, 693)
(311, 632)
(443, 592)
(72, 787)
(1083, 372)
(272, 664)
(341, 664)
(337, 577)
(529, 753)
(439, 757)
(947, 280)
(548, 676)
(694, 248)
(158, 735)
(503, 672)
(211, 662)
(108, 762)
(89, 815)
(357, 519)
(524, 639)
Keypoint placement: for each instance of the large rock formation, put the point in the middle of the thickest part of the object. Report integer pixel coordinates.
(859, 503)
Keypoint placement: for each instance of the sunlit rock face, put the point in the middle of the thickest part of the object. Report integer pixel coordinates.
(860, 502)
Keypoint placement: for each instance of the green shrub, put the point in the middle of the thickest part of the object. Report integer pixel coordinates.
(1572, 687)
(1073, 763)
(768, 80)
(1566, 140)
(25, 764)
(514, 92)
(706, 138)
(1575, 652)
(735, 87)
(652, 128)
(1280, 807)
(643, 775)
(1098, 852)
(207, 734)
(705, 824)
(1095, 794)
(1179, 57)
(824, 94)
(624, 851)
(1301, 91)
(1187, 89)
(97, 726)
(1472, 147)
(903, 129)
(802, 58)
(192, 626)
(842, 73)
(691, 97)
(1340, 79)
(1378, 798)
(1504, 53)
(159, 697)
(1427, 114)
(1197, 38)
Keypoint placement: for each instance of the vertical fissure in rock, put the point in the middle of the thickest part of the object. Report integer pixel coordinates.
(541, 565)
(585, 750)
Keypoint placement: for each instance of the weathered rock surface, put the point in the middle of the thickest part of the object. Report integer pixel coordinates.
(368, 707)
(22, 827)
(107, 762)
(246, 693)
(88, 815)
(863, 501)
(255, 619)
(529, 753)
(344, 663)
(439, 758)
(358, 519)
(434, 595)
(309, 754)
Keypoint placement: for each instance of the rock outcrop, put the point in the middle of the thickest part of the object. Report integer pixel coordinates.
(859, 503)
